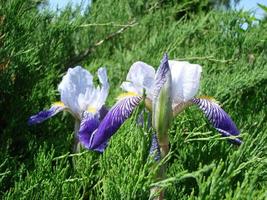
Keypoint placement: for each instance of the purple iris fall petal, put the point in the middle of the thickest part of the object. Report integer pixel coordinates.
(113, 120)
(220, 120)
(45, 114)
(88, 125)
(103, 112)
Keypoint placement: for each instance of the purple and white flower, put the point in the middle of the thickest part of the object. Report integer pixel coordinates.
(82, 99)
(167, 92)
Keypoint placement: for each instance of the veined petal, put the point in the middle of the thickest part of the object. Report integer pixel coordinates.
(162, 99)
(46, 114)
(218, 118)
(141, 75)
(88, 125)
(162, 76)
(113, 120)
(185, 80)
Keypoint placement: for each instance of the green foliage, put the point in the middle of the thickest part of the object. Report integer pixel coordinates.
(37, 46)
(263, 7)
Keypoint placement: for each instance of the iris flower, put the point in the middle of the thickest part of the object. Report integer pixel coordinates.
(81, 99)
(182, 80)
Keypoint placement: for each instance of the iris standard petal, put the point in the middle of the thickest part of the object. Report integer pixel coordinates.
(97, 99)
(73, 87)
(103, 77)
(185, 80)
(46, 114)
(130, 87)
(114, 119)
(142, 76)
(220, 120)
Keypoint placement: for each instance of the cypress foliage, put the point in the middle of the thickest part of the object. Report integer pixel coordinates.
(37, 47)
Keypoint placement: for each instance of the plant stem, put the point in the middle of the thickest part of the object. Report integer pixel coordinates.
(76, 144)
(164, 149)
(157, 193)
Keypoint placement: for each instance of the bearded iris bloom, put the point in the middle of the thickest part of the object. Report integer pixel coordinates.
(82, 100)
(180, 80)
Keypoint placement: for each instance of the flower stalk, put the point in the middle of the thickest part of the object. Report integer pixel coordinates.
(76, 144)
(157, 193)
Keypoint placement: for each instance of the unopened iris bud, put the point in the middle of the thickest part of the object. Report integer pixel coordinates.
(162, 101)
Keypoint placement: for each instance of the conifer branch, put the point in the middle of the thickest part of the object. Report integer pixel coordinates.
(78, 58)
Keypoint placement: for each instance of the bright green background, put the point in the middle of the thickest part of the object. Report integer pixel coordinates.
(38, 46)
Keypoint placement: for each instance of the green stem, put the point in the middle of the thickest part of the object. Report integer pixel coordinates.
(157, 193)
(76, 143)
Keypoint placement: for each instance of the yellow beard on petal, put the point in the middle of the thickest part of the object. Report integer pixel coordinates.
(58, 103)
(127, 94)
(91, 109)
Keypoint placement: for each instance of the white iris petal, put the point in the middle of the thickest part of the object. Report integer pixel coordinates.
(103, 94)
(185, 80)
(78, 92)
(130, 87)
(98, 98)
(142, 76)
(73, 87)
